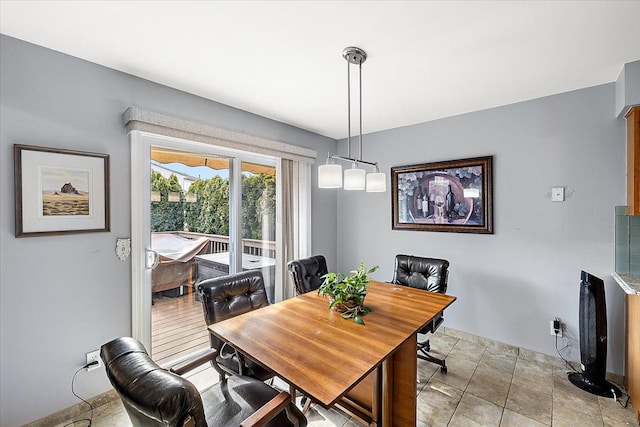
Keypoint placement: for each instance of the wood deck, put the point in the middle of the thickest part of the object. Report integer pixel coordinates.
(178, 328)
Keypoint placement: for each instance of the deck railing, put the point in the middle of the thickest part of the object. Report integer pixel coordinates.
(218, 243)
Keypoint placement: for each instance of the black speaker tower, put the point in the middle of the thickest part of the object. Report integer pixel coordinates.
(593, 339)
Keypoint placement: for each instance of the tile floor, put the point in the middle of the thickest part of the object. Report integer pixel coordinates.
(486, 385)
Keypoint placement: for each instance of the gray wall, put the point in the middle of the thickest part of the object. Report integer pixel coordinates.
(63, 296)
(512, 283)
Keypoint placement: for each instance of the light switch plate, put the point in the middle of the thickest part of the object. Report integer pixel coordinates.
(557, 194)
(123, 248)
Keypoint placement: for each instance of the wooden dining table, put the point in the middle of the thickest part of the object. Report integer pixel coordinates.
(369, 371)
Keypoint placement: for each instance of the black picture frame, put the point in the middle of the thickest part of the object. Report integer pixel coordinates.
(60, 191)
(460, 196)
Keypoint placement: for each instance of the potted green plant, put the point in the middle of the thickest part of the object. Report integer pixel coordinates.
(346, 293)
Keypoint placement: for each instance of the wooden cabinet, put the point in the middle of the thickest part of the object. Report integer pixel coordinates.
(633, 161)
(632, 365)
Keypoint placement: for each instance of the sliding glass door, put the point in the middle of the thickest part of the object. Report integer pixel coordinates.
(204, 212)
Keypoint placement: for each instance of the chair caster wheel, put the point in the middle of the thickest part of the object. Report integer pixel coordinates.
(443, 369)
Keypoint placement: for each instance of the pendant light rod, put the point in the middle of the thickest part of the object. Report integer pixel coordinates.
(329, 174)
(360, 94)
(351, 160)
(348, 108)
(354, 55)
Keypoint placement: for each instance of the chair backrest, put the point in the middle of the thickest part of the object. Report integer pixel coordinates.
(307, 273)
(422, 273)
(152, 396)
(228, 296)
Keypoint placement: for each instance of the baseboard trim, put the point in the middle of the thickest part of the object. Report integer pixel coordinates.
(523, 353)
(75, 410)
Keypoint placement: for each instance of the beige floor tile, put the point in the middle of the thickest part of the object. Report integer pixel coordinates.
(426, 370)
(561, 373)
(513, 419)
(564, 390)
(614, 414)
(536, 373)
(498, 360)
(486, 385)
(499, 347)
(473, 411)
(539, 357)
(352, 423)
(436, 404)
(205, 378)
(111, 414)
(490, 384)
(469, 350)
(460, 334)
(320, 417)
(569, 408)
(565, 417)
(459, 372)
(440, 343)
(531, 401)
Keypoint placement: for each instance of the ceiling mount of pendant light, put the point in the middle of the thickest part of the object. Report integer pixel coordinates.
(355, 178)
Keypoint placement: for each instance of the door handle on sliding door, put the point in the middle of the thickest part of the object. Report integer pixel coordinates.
(152, 259)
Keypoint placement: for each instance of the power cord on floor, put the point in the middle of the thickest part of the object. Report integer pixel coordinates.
(624, 394)
(617, 398)
(90, 419)
(566, 362)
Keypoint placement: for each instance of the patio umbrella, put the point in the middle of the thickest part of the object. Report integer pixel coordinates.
(166, 156)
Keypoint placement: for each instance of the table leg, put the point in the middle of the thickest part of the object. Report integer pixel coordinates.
(386, 403)
(399, 387)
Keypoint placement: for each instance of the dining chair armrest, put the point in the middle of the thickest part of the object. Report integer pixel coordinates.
(239, 359)
(208, 355)
(269, 410)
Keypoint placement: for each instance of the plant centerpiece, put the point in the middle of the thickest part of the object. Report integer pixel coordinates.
(346, 293)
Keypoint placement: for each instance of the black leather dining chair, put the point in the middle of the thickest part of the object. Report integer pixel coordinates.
(153, 396)
(307, 273)
(225, 297)
(430, 274)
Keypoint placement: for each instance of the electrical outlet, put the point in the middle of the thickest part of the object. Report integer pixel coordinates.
(93, 356)
(557, 194)
(554, 325)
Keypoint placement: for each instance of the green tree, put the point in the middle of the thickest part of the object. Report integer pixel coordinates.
(194, 207)
(210, 212)
(258, 203)
(166, 215)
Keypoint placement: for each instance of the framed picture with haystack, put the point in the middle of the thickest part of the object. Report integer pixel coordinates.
(60, 191)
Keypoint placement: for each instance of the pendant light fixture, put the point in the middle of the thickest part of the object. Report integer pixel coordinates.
(355, 178)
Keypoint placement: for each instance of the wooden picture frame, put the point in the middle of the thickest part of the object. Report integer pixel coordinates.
(60, 191)
(459, 196)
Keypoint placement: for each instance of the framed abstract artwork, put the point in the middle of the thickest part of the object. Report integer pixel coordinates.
(60, 191)
(451, 196)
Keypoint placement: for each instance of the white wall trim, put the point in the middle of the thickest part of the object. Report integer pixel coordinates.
(138, 119)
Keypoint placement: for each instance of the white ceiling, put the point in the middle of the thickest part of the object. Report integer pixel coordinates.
(283, 59)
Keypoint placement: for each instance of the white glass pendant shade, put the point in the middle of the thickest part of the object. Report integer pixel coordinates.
(329, 176)
(376, 182)
(354, 179)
